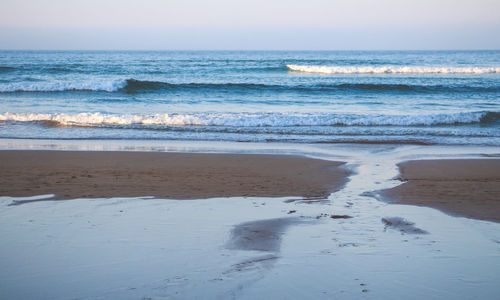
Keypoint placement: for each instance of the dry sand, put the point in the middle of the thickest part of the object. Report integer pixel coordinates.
(464, 187)
(73, 174)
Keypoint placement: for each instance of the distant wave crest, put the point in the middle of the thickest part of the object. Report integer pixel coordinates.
(255, 119)
(392, 69)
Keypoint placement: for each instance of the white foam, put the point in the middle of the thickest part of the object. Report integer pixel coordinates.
(102, 85)
(392, 70)
(248, 119)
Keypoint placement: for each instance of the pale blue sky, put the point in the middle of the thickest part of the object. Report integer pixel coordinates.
(256, 24)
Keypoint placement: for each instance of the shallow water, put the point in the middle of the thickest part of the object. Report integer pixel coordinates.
(130, 248)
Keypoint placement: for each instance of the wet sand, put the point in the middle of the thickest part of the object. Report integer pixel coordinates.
(463, 187)
(80, 174)
(262, 235)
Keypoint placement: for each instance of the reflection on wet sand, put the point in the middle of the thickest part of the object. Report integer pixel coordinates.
(403, 225)
(262, 235)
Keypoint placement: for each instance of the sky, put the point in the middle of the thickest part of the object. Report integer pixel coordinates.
(249, 25)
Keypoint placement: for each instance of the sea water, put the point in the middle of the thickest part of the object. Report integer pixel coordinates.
(409, 97)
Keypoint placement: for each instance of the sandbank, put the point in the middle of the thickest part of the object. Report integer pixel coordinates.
(87, 174)
(463, 187)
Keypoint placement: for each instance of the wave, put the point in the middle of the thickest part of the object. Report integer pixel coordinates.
(139, 85)
(133, 86)
(62, 86)
(256, 119)
(128, 86)
(392, 70)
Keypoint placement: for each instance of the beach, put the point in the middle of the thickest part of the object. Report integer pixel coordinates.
(469, 188)
(249, 174)
(80, 174)
(236, 223)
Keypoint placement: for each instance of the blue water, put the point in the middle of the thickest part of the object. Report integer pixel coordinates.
(421, 97)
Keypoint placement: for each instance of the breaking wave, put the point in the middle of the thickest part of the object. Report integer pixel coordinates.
(61, 86)
(255, 119)
(392, 70)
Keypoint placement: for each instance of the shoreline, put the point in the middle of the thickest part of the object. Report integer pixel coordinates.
(92, 174)
(461, 187)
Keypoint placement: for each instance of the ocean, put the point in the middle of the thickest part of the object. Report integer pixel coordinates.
(400, 97)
